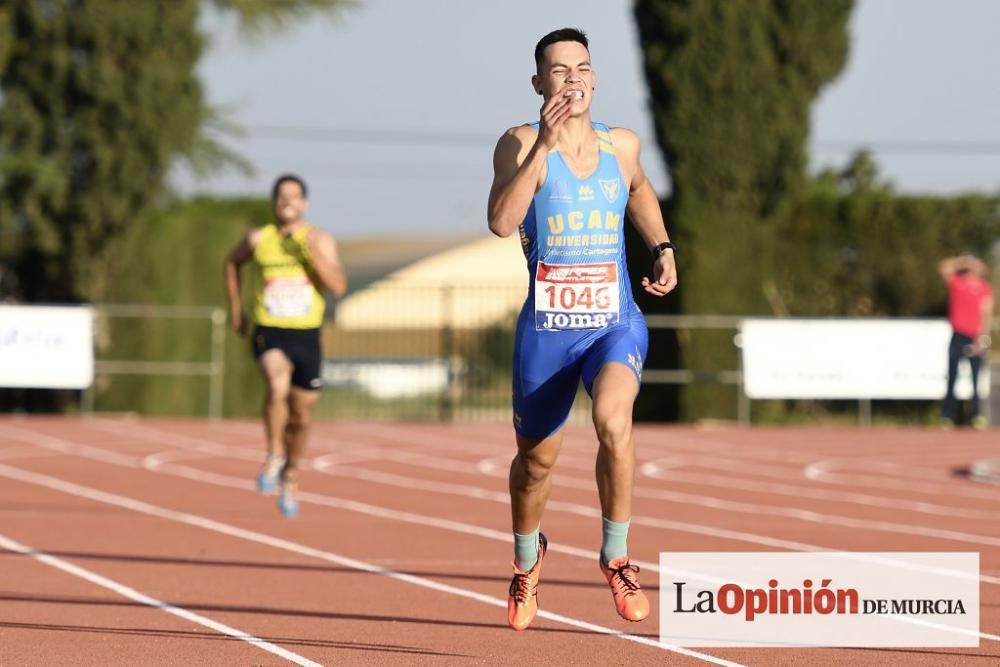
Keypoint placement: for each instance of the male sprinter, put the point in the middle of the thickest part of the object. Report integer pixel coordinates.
(292, 262)
(565, 183)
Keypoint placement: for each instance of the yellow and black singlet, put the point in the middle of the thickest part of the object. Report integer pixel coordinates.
(285, 295)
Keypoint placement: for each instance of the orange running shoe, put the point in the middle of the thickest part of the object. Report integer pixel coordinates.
(522, 600)
(630, 601)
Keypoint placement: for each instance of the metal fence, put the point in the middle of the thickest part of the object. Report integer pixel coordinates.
(118, 355)
(404, 351)
(398, 351)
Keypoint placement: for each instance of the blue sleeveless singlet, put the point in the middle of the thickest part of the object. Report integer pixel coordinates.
(580, 313)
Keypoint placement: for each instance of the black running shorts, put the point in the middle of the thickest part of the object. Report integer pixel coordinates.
(302, 348)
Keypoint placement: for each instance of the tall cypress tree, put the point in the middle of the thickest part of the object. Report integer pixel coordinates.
(730, 84)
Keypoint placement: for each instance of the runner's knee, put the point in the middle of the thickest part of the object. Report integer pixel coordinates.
(614, 431)
(537, 465)
(278, 392)
(299, 418)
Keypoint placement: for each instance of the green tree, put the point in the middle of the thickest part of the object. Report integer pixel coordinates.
(97, 101)
(852, 246)
(5, 44)
(731, 83)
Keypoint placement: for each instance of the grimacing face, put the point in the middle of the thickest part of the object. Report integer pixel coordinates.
(290, 205)
(566, 66)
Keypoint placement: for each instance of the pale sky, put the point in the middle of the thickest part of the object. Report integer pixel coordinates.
(391, 111)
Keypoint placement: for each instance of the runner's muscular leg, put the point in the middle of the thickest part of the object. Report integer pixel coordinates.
(277, 371)
(614, 392)
(297, 431)
(531, 479)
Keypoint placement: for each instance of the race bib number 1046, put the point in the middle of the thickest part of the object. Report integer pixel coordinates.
(576, 296)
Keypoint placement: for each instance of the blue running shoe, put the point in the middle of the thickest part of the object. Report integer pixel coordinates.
(267, 478)
(288, 503)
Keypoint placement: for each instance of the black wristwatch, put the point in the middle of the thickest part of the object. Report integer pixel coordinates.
(661, 247)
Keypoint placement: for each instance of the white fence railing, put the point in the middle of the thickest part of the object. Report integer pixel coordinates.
(212, 368)
(402, 348)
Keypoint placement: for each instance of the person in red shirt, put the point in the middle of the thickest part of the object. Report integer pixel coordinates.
(970, 312)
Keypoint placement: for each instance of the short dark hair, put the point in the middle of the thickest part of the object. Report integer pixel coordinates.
(561, 35)
(287, 178)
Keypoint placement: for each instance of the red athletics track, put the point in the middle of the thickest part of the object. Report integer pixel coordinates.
(127, 542)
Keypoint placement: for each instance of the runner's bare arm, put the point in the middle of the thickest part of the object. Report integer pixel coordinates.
(239, 255)
(644, 210)
(518, 170)
(325, 262)
(519, 165)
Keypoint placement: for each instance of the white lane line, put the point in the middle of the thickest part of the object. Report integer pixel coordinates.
(583, 510)
(947, 628)
(571, 508)
(889, 469)
(954, 490)
(578, 441)
(30, 452)
(159, 458)
(195, 474)
(799, 446)
(906, 471)
(653, 470)
(660, 444)
(487, 466)
(324, 461)
(330, 557)
(482, 494)
(386, 513)
(491, 467)
(646, 442)
(142, 598)
(441, 487)
(446, 524)
(568, 456)
(727, 458)
(817, 472)
(716, 462)
(61, 446)
(698, 500)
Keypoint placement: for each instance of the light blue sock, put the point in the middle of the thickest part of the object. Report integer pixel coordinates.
(615, 543)
(526, 550)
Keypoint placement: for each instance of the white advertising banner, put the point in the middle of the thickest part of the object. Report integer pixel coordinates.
(851, 359)
(787, 599)
(49, 347)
